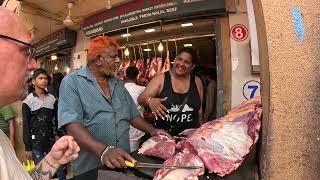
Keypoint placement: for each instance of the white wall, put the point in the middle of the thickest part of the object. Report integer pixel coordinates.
(241, 59)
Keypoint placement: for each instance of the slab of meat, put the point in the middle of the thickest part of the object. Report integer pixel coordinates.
(223, 143)
(167, 66)
(158, 146)
(245, 105)
(184, 158)
(122, 69)
(159, 65)
(140, 65)
(153, 68)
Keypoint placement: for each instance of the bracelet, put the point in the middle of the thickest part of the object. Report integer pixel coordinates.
(50, 163)
(104, 152)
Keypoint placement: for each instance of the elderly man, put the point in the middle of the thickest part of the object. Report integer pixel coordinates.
(96, 110)
(15, 63)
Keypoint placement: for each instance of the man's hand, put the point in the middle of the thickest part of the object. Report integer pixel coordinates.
(156, 132)
(157, 108)
(28, 155)
(63, 151)
(115, 157)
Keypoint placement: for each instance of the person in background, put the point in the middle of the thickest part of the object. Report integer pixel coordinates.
(134, 90)
(211, 97)
(55, 85)
(7, 123)
(39, 111)
(16, 63)
(175, 97)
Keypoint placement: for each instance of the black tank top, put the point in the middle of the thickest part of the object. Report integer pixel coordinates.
(189, 115)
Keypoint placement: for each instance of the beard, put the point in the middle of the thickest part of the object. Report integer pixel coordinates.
(110, 71)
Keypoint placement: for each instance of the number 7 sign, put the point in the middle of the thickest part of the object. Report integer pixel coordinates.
(251, 89)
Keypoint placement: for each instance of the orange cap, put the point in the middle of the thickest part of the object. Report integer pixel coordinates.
(99, 44)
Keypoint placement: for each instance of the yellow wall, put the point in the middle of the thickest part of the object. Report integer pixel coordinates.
(291, 85)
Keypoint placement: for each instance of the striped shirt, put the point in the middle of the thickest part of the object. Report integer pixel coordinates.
(83, 101)
(6, 114)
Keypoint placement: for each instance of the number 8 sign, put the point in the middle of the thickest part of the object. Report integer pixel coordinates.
(239, 32)
(251, 89)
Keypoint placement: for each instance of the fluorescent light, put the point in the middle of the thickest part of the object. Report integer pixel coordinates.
(147, 49)
(187, 45)
(54, 57)
(149, 30)
(186, 24)
(125, 35)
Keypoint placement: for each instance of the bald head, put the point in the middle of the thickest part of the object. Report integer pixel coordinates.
(11, 24)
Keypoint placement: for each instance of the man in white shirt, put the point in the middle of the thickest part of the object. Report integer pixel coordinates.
(16, 62)
(134, 90)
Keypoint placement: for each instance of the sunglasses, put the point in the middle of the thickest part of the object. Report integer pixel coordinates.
(31, 48)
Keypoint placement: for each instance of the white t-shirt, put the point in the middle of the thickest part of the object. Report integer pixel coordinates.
(135, 134)
(10, 166)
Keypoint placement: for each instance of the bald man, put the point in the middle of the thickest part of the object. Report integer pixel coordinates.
(16, 62)
(96, 110)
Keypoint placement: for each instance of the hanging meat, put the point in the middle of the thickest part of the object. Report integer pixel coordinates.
(153, 68)
(167, 65)
(122, 69)
(159, 65)
(183, 158)
(158, 146)
(141, 68)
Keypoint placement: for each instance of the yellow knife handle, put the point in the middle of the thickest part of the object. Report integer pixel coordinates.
(129, 164)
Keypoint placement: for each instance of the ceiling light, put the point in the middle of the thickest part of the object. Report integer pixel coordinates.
(187, 45)
(147, 49)
(126, 52)
(56, 67)
(160, 47)
(54, 57)
(149, 30)
(126, 35)
(186, 24)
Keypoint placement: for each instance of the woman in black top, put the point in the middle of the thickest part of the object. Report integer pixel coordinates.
(166, 93)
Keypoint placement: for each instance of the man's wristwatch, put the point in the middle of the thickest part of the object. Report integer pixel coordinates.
(104, 152)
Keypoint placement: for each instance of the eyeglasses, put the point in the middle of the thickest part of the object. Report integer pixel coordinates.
(31, 48)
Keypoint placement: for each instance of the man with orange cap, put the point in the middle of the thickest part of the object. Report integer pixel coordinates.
(96, 109)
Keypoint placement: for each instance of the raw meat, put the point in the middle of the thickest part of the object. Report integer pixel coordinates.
(167, 66)
(187, 132)
(245, 105)
(223, 143)
(159, 65)
(122, 69)
(147, 69)
(183, 158)
(141, 68)
(158, 146)
(152, 69)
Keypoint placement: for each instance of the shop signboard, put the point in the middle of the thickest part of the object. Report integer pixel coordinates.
(55, 41)
(143, 11)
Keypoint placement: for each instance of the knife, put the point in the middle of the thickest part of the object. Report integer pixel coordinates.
(158, 166)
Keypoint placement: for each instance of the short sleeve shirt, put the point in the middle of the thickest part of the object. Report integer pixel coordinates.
(6, 114)
(83, 101)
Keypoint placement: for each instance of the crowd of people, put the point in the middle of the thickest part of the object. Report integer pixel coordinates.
(100, 113)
